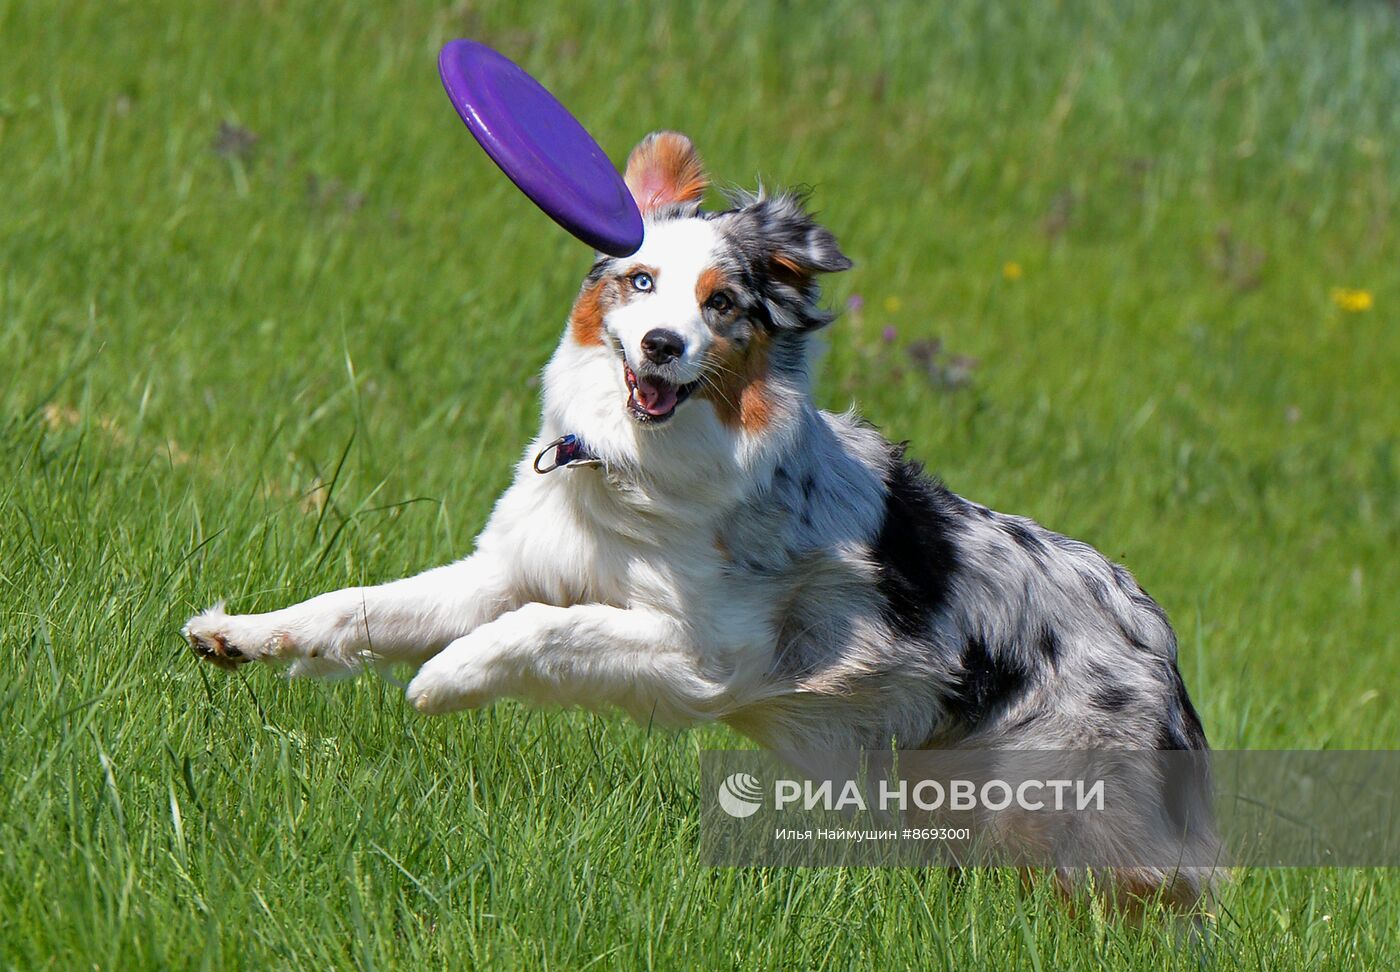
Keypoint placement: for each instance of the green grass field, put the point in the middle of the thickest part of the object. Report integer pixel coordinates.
(269, 324)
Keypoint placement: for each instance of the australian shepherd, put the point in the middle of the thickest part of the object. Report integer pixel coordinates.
(690, 538)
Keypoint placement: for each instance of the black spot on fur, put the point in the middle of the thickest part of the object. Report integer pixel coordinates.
(1123, 579)
(1099, 673)
(1183, 729)
(988, 682)
(794, 657)
(598, 271)
(1191, 728)
(1050, 645)
(1131, 637)
(915, 550)
(1144, 602)
(1097, 588)
(1111, 698)
(1025, 538)
(1170, 738)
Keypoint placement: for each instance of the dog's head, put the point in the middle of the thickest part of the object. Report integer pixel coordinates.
(701, 308)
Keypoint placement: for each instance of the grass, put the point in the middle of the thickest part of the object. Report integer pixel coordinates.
(295, 353)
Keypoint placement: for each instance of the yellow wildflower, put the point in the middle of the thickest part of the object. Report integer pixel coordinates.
(1353, 301)
(1012, 270)
(891, 305)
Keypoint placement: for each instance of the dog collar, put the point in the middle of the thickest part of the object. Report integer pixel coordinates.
(568, 450)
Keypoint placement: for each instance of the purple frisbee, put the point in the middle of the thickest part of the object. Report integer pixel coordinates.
(541, 147)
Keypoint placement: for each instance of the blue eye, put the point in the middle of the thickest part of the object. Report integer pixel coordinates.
(641, 281)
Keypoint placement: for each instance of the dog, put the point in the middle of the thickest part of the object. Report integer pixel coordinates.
(690, 538)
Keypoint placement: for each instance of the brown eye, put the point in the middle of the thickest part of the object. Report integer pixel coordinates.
(720, 302)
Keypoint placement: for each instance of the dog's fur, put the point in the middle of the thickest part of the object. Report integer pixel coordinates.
(750, 558)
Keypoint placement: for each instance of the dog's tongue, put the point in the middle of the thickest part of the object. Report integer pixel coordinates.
(656, 396)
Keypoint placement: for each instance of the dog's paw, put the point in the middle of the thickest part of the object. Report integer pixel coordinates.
(229, 640)
(446, 684)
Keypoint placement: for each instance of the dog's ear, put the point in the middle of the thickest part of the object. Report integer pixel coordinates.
(780, 239)
(797, 247)
(664, 170)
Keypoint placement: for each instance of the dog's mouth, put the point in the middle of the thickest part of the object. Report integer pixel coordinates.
(653, 399)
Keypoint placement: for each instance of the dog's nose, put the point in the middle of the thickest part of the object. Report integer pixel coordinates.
(660, 345)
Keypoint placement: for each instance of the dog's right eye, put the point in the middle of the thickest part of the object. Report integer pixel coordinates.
(641, 281)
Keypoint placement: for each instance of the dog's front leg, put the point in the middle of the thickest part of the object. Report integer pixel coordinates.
(406, 620)
(591, 655)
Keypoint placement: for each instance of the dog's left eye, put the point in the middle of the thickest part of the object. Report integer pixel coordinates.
(719, 301)
(641, 281)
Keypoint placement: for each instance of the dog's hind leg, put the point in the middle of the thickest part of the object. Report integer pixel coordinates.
(591, 655)
(406, 620)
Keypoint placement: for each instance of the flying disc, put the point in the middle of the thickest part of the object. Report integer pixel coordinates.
(540, 147)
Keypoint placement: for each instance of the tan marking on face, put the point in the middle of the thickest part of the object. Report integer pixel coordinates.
(586, 319)
(709, 283)
(663, 170)
(737, 383)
